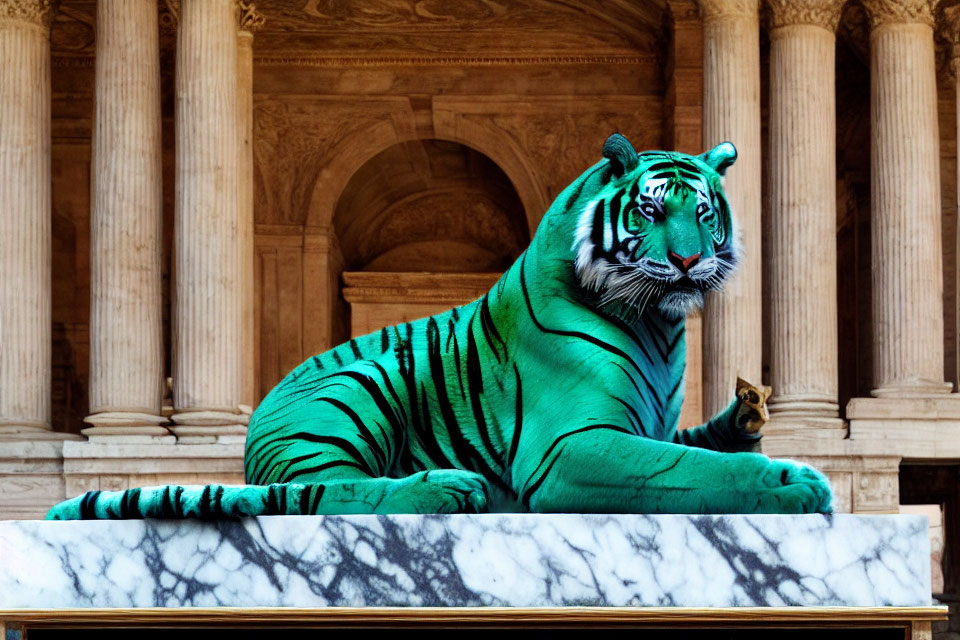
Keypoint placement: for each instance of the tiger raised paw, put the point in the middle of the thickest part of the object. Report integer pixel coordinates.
(752, 413)
(558, 390)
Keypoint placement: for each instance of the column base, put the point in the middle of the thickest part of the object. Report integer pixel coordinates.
(913, 388)
(806, 406)
(126, 426)
(30, 432)
(206, 427)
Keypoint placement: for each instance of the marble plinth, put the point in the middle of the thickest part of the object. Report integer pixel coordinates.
(520, 560)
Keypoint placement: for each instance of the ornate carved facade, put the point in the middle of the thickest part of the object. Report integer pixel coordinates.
(236, 186)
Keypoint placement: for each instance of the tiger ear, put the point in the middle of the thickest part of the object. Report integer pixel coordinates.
(720, 157)
(620, 153)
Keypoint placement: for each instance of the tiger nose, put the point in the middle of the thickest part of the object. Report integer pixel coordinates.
(684, 264)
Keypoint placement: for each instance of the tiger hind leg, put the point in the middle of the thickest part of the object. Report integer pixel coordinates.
(436, 491)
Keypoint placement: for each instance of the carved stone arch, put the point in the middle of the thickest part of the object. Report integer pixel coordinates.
(348, 156)
(322, 305)
(502, 149)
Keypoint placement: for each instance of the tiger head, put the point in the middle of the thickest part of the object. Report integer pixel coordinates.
(659, 231)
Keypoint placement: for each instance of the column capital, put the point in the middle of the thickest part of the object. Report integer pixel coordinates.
(38, 12)
(249, 19)
(817, 13)
(885, 12)
(717, 9)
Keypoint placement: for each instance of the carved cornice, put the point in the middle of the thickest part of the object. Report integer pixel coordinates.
(38, 12)
(456, 61)
(683, 11)
(169, 15)
(948, 36)
(819, 13)
(884, 12)
(721, 9)
(950, 25)
(249, 18)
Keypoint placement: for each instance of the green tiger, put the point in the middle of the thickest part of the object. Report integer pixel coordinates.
(557, 391)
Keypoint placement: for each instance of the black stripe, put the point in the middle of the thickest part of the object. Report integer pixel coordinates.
(88, 505)
(571, 334)
(518, 419)
(456, 358)
(556, 442)
(355, 349)
(634, 416)
(324, 467)
(264, 465)
(536, 485)
(316, 362)
(348, 447)
(218, 501)
(204, 504)
(317, 494)
(451, 332)
(386, 409)
(393, 393)
(336, 357)
(384, 340)
(455, 312)
(615, 216)
(272, 506)
(676, 387)
(305, 499)
(596, 233)
(464, 453)
(428, 437)
(676, 340)
(178, 502)
(486, 323)
(297, 460)
(408, 378)
(166, 506)
(364, 434)
(475, 385)
(634, 383)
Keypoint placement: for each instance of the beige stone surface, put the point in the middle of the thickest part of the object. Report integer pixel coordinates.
(25, 251)
(126, 355)
(249, 21)
(732, 322)
(803, 265)
(207, 355)
(905, 227)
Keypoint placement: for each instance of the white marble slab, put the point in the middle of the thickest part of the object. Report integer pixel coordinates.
(468, 560)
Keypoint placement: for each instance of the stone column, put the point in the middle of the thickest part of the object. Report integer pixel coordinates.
(207, 380)
(126, 342)
(905, 197)
(250, 21)
(25, 253)
(803, 261)
(732, 338)
(952, 33)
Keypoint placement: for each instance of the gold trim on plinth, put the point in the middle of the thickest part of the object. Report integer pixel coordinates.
(481, 616)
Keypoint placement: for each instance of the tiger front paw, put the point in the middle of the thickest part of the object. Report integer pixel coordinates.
(752, 413)
(787, 486)
(439, 491)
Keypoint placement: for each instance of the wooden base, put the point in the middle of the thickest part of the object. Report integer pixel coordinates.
(914, 621)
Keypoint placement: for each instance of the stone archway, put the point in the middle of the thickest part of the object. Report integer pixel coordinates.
(423, 226)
